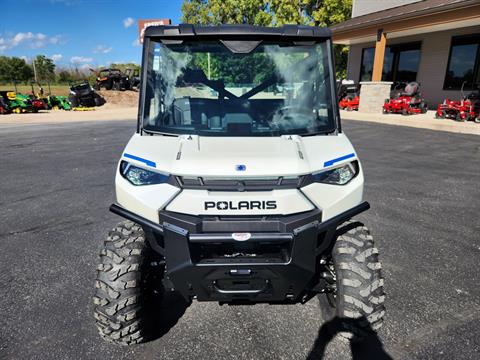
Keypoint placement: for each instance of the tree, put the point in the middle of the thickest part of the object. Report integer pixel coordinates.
(272, 13)
(45, 68)
(14, 69)
(216, 12)
(64, 76)
(331, 12)
(124, 66)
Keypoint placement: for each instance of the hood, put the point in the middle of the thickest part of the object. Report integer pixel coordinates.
(190, 155)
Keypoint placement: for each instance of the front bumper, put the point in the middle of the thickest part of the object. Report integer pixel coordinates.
(277, 264)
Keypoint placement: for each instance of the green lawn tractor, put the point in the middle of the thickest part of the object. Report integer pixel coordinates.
(18, 103)
(58, 103)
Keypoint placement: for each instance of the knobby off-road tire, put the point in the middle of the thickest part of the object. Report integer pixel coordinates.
(73, 100)
(99, 101)
(123, 284)
(358, 302)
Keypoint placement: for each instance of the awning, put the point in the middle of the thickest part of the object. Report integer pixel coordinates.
(419, 17)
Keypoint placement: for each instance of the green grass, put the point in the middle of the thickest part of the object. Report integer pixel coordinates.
(27, 89)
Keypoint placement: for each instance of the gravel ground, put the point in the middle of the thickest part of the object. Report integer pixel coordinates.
(57, 184)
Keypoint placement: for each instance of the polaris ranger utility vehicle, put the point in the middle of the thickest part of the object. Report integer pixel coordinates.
(111, 79)
(133, 78)
(235, 194)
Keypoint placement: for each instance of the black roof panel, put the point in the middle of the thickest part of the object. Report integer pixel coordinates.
(184, 31)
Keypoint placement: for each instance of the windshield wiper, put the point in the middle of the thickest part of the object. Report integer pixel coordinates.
(151, 132)
(324, 132)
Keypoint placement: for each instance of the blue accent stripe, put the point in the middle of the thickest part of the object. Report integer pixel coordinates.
(147, 162)
(333, 161)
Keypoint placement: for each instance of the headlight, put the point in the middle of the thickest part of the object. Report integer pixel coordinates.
(338, 176)
(139, 176)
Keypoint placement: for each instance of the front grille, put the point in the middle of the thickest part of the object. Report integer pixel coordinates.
(229, 224)
(256, 252)
(200, 183)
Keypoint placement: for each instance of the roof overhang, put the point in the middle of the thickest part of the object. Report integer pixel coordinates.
(237, 32)
(453, 15)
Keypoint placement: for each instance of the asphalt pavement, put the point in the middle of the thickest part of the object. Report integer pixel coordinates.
(57, 182)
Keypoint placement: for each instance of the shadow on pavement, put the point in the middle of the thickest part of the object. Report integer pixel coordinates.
(370, 348)
(165, 309)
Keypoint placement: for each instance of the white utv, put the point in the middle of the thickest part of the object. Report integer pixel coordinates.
(239, 185)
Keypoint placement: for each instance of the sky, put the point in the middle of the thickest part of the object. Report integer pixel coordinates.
(79, 33)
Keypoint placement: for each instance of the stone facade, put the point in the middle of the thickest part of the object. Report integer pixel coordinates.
(373, 95)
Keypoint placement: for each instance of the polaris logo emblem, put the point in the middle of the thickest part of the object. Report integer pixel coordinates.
(241, 205)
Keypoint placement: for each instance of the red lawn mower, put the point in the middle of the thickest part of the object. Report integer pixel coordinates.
(349, 95)
(39, 102)
(466, 109)
(39, 105)
(405, 99)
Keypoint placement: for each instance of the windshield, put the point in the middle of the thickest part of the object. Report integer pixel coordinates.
(204, 88)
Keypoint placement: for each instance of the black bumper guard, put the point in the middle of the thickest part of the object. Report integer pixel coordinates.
(273, 267)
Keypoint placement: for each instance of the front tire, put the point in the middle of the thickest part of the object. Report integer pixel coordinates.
(123, 285)
(73, 100)
(99, 101)
(357, 301)
(423, 107)
(116, 86)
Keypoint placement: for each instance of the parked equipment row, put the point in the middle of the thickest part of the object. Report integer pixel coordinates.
(82, 96)
(406, 99)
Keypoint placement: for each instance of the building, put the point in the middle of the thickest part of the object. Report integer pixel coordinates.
(433, 42)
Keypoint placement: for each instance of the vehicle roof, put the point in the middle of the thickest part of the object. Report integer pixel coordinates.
(186, 31)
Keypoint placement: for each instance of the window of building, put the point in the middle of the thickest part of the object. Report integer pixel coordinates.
(403, 61)
(400, 62)
(366, 68)
(463, 63)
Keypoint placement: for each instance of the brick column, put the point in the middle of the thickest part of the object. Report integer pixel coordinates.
(373, 95)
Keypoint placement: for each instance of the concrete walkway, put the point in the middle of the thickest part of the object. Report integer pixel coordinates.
(424, 121)
(103, 113)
